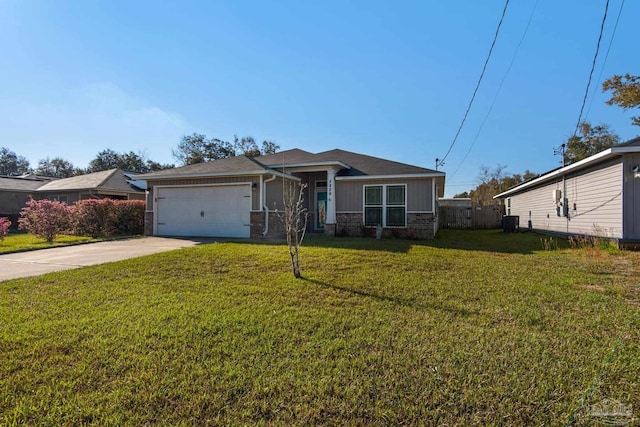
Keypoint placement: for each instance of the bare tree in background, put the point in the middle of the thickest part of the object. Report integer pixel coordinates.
(294, 218)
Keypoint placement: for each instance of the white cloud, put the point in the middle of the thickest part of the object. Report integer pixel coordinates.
(85, 120)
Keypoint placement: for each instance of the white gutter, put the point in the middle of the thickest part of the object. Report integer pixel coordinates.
(603, 155)
(263, 196)
(399, 176)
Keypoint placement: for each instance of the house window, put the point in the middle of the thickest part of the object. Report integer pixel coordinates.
(62, 199)
(385, 205)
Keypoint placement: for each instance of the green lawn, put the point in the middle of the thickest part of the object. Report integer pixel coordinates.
(19, 242)
(474, 328)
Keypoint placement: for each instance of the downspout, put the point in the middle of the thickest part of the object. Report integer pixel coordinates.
(263, 190)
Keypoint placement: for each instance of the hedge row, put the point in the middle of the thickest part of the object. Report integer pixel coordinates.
(95, 218)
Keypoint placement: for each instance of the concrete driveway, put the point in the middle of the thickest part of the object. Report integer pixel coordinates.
(34, 263)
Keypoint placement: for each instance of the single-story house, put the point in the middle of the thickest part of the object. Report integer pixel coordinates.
(109, 184)
(15, 191)
(597, 196)
(346, 193)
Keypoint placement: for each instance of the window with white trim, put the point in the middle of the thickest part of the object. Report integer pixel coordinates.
(385, 205)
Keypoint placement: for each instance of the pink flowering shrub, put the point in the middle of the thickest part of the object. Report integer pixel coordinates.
(92, 217)
(4, 228)
(95, 218)
(129, 216)
(106, 217)
(45, 218)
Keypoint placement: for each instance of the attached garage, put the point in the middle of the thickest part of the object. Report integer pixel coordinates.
(222, 210)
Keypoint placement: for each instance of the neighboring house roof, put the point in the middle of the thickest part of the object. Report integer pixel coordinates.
(109, 180)
(631, 146)
(37, 177)
(20, 184)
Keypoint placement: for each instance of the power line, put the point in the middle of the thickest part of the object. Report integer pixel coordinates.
(593, 66)
(495, 98)
(484, 68)
(606, 56)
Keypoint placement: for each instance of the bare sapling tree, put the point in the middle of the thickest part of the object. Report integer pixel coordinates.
(294, 218)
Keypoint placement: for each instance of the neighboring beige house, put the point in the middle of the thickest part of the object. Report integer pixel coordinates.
(597, 196)
(346, 193)
(15, 191)
(109, 184)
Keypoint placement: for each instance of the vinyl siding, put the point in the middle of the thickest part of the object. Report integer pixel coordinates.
(631, 201)
(274, 193)
(594, 200)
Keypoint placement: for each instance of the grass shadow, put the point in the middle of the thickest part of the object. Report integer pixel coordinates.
(410, 303)
(468, 240)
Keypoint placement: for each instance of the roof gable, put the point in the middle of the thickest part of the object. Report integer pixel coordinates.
(79, 182)
(361, 164)
(294, 155)
(110, 180)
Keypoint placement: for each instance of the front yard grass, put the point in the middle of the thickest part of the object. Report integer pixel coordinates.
(474, 328)
(20, 242)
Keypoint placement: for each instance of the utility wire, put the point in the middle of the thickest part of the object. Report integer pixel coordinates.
(495, 98)
(613, 35)
(593, 66)
(484, 68)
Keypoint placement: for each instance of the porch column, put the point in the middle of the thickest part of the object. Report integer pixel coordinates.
(331, 202)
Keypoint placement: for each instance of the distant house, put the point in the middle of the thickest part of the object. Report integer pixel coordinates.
(16, 191)
(109, 184)
(598, 196)
(347, 194)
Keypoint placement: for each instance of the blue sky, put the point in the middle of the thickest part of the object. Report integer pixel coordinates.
(387, 79)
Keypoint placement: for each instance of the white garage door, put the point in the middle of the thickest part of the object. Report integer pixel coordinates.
(216, 211)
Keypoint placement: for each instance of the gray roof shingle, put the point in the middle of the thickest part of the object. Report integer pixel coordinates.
(359, 164)
(228, 165)
(109, 180)
(80, 182)
(20, 184)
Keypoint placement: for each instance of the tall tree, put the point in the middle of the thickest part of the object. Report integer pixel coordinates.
(269, 147)
(589, 141)
(492, 181)
(196, 148)
(12, 164)
(625, 93)
(191, 149)
(132, 162)
(105, 160)
(246, 146)
(56, 167)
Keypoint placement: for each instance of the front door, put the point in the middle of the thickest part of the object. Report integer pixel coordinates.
(321, 209)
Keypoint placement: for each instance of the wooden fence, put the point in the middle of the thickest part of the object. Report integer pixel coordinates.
(468, 218)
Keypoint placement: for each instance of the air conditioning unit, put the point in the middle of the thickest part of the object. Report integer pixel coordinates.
(557, 195)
